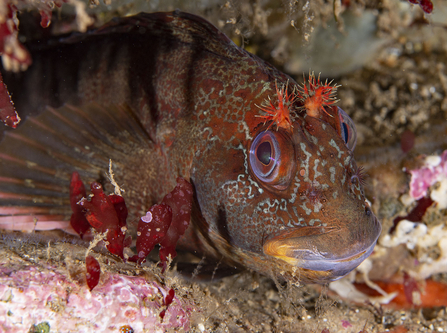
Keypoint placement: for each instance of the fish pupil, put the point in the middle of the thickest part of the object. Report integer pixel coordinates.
(345, 132)
(264, 153)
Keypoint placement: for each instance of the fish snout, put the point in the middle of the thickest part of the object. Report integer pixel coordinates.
(335, 250)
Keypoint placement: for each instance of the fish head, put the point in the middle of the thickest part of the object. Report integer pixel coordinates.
(286, 199)
(322, 225)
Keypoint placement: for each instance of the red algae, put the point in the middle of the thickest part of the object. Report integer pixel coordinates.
(77, 191)
(426, 5)
(180, 200)
(117, 233)
(151, 229)
(8, 114)
(163, 224)
(107, 213)
(101, 213)
(45, 17)
(93, 272)
(169, 297)
(120, 208)
(415, 214)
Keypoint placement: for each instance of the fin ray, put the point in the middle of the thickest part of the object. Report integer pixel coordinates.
(38, 158)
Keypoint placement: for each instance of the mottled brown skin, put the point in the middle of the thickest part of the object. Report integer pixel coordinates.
(196, 94)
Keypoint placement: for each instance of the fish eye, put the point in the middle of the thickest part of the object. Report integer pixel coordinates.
(347, 129)
(264, 155)
(271, 159)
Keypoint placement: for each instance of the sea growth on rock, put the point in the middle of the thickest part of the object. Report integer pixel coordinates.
(163, 224)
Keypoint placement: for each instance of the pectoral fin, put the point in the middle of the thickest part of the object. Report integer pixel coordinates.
(38, 158)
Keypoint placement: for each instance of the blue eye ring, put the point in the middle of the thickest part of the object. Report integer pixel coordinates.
(348, 131)
(262, 165)
(272, 160)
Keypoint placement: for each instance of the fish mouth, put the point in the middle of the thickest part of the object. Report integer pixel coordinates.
(333, 250)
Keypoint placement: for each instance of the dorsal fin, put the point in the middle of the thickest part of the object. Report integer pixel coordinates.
(180, 26)
(121, 63)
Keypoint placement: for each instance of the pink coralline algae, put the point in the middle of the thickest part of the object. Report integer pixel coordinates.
(32, 295)
(434, 170)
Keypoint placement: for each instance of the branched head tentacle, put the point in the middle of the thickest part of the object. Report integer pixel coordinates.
(316, 96)
(278, 113)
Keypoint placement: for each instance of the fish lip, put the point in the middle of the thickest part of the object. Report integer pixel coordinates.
(314, 260)
(338, 266)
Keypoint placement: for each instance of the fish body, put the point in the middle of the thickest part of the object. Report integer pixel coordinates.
(165, 95)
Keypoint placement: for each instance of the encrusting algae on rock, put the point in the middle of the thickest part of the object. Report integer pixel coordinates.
(58, 296)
